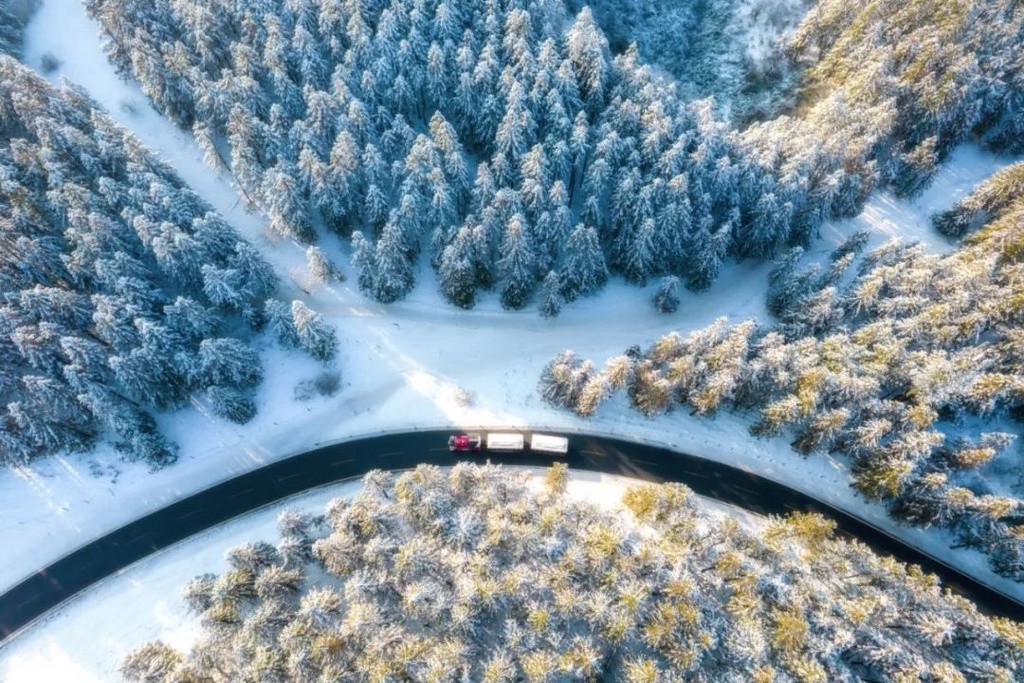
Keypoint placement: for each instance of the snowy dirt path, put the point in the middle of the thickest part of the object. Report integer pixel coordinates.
(402, 365)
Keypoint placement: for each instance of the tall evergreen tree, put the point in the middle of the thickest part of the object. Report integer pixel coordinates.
(314, 336)
(666, 299)
(588, 52)
(551, 295)
(364, 257)
(320, 267)
(516, 266)
(457, 274)
(583, 271)
(393, 276)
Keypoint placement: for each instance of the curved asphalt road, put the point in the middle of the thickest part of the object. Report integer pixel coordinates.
(98, 559)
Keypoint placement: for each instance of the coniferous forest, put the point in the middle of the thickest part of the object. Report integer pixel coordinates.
(532, 154)
(503, 141)
(472, 574)
(901, 365)
(123, 292)
(11, 30)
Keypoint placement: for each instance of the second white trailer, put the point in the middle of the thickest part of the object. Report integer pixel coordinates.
(549, 444)
(504, 441)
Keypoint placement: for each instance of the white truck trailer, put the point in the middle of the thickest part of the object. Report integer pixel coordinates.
(504, 441)
(549, 444)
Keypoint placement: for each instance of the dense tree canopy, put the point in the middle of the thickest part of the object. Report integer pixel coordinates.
(902, 367)
(945, 70)
(412, 121)
(12, 26)
(892, 86)
(474, 574)
(122, 289)
(732, 50)
(464, 129)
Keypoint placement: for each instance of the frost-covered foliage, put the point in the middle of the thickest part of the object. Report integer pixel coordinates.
(666, 299)
(121, 287)
(321, 268)
(907, 80)
(300, 326)
(731, 50)
(13, 16)
(999, 196)
(473, 575)
(501, 138)
(887, 367)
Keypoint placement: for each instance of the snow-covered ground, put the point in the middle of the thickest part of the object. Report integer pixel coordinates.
(762, 25)
(403, 365)
(142, 603)
(888, 216)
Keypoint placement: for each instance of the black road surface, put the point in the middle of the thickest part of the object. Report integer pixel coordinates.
(98, 559)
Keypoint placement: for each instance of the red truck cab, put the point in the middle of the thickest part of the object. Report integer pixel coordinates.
(464, 442)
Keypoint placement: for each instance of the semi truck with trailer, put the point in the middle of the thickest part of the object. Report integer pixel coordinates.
(508, 441)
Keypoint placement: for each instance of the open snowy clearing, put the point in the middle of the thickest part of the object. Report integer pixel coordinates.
(142, 602)
(402, 365)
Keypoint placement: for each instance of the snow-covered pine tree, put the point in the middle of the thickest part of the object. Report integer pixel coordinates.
(915, 169)
(457, 274)
(705, 255)
(364, 257)
(551, 295)
(230, 404)
(666, 299)
(393, 276)
(590, 58)
(583, 271)
(516, 266)
(314, 336)
(785, 285)
(280, 323)
(320, 266)
(228, 362)
(256, 279)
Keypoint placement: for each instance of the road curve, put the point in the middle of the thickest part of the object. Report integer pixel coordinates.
(52, 585)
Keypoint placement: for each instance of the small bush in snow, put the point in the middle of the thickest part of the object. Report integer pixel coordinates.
(666, 299)
(325, 384)
(463, 398)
